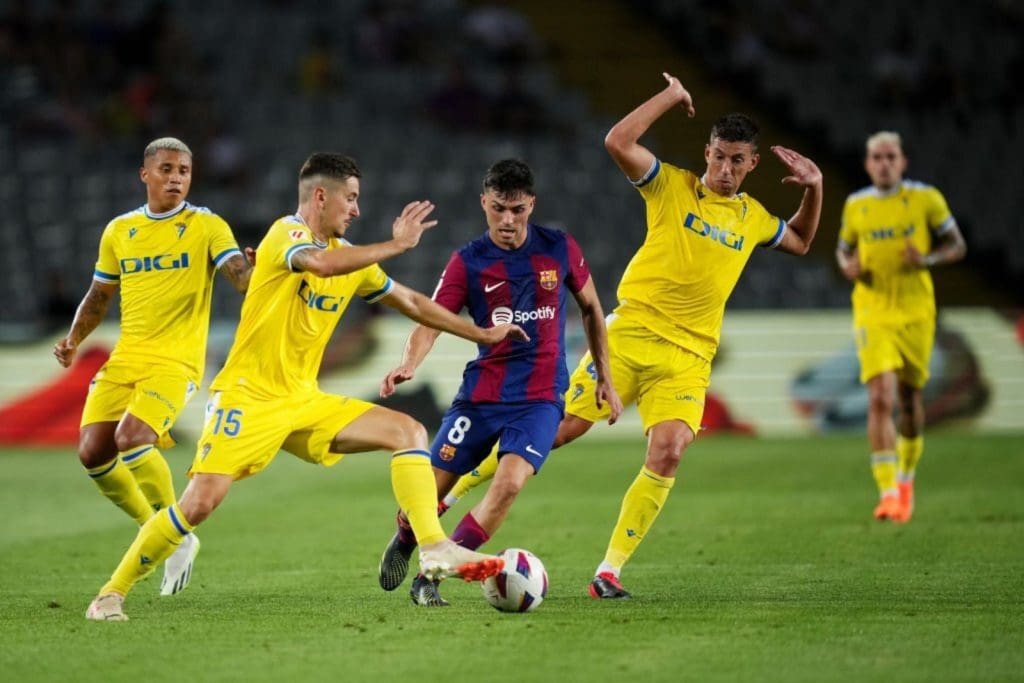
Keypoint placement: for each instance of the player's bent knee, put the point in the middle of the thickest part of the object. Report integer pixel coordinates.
(96, 445)
(404, 432)
(570, 429)
(128, 437)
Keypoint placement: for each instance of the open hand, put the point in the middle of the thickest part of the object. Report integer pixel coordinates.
(408, 227)
(803, 171)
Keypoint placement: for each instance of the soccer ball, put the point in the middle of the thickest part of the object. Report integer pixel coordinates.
(520, 586)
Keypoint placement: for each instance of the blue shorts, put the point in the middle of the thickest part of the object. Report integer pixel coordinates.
(469, 431)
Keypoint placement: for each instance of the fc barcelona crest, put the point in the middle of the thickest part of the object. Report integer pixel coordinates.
(447, 452)
(548, 279)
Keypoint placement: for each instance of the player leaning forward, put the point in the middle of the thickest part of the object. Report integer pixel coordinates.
(162, 256)
(701, 230)
(893, 231)
(266, 398)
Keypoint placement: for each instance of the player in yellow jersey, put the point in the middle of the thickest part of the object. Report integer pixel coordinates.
(266, 397)
(893, 231)
(162, 257)
(664, 333)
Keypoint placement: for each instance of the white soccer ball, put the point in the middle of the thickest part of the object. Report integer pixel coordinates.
(520, 586)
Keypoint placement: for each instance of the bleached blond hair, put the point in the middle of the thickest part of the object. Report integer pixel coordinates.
(885, 137)
(171, 144)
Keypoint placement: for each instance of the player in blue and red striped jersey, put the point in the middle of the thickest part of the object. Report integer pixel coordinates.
(512, 393)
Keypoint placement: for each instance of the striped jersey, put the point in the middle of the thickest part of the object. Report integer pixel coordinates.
(526, 286)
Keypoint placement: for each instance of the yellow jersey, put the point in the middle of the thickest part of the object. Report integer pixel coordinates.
(880, 225)
(697, 244)
(164, 264)
(288, 317)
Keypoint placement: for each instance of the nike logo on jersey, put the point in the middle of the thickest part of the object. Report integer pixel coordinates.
(534, 451)
(491, 287)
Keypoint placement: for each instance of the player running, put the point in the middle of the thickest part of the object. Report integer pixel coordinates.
(266, 397)
(163, 257)
(701, 230)
(512, 393)
(893, 231)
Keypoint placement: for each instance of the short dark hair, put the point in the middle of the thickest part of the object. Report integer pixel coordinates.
(508, 178)
(330, 165)
(736, 127)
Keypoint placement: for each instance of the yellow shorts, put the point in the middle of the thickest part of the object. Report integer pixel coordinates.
(904, 349)
(154, 394)
(242, 434)
(666, 381)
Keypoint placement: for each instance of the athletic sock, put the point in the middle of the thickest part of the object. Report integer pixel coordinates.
(469, 533)
(153, 475)
(640, 507)
(909, 450)
(883, 467)
(412, 481)
(467, 482)
(155, 542)
(116, 482)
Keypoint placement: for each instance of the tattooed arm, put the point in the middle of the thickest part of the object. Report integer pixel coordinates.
(90, 314)
(237, 271)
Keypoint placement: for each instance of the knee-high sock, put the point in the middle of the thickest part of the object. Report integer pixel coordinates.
(117, 483)
(467, 482)
(883, 467)
(909, 451)
(155, 542)
(469, 533)
(153, 475)
(412, 481)
(640, 507)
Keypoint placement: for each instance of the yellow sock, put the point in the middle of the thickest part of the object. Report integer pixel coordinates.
(909, 450)
(883, 466)
(412, 480)
(155, 542)
(482, 473)
(116, 483)
(640, 507)
(152, 474)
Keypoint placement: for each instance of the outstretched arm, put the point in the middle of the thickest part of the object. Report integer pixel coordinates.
(417, 346)
(423, 310)
(597, 342)
(89, 315)
(621, 142)
(237, 270)
(406, 232)
(804, 223)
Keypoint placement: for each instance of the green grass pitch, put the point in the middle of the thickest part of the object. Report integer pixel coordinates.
(764, 565)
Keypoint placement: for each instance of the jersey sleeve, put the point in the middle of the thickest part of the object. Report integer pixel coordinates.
(375, 284)
(654, 182)
(284, 239)
(107, 269)
(847, 232)
(453, 288)
(579, 271)
(222, 242)
(771, 230)
(939, 217)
